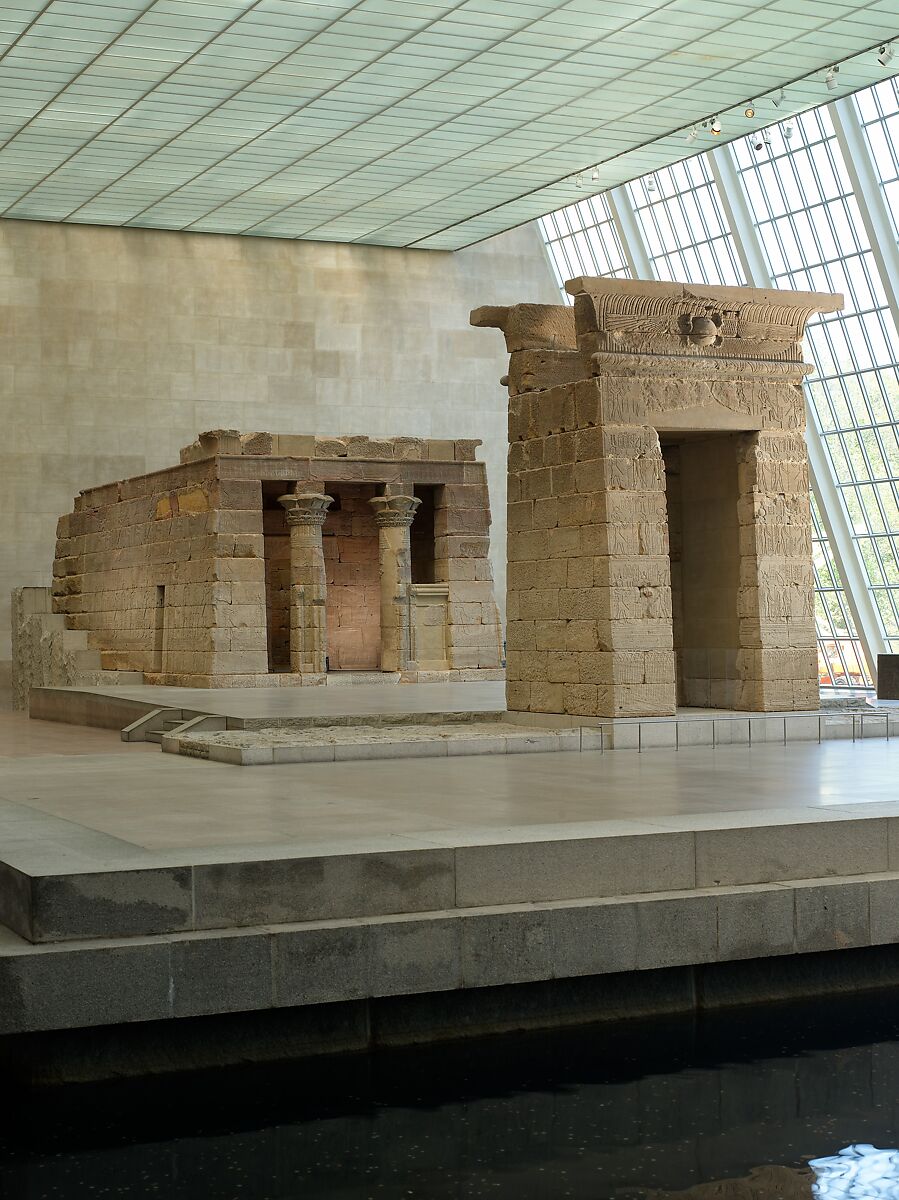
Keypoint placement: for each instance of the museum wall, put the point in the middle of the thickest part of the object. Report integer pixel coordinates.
(117, 346)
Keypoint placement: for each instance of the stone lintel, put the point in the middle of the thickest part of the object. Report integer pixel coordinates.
(343, 470)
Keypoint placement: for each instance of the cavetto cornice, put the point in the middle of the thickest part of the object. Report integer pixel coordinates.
(639, 316)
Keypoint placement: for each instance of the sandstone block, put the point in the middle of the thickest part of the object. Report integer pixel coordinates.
(440, 451)
(291, 445)
(330, 447)
(256, 443)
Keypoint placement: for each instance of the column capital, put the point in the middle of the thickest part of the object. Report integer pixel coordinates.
(309, 508)
(394, 510)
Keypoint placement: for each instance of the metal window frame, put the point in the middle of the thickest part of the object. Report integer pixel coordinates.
(830, 505)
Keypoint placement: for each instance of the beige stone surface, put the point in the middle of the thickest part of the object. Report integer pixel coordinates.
(233, 568)
(118, 345)
(658, 527)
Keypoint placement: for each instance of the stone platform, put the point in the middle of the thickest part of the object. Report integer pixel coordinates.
(258, 726)
(148, 888)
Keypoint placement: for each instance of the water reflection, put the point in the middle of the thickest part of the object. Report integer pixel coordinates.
(749, 1107)
(859, 1172)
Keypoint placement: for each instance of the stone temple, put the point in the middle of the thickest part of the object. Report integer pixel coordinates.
(267, 559)
(659, 515)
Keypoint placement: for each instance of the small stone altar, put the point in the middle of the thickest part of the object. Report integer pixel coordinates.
(659, 527)
(275, 559)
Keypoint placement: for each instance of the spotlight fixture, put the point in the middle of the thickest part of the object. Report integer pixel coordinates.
(761, 139)
(651, 184)
(778, 99)
(693, 135)
(831, 78)
(594, 174)
(579, 179)
(749, 110)
(789, 130)
(715, 126)
(885, 54)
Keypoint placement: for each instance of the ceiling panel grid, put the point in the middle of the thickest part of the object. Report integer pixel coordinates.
(429, 124)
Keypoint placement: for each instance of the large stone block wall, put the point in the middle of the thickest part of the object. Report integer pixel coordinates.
(589, 593)
(117, 345)
(182, 530)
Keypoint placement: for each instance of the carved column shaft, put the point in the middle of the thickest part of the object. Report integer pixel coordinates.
(306, 515)
(394, 516)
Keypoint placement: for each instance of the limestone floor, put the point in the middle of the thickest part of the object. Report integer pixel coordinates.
(116, 806)
(21, 737)
(361, 699)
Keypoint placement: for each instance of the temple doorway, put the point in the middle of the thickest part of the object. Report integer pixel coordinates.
(701, 488)
(353, 608)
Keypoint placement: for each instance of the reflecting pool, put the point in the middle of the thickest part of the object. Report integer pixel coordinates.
(772, 1104)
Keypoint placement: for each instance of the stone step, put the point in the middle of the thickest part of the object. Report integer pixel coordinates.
(354, 678)
(435, 874)
(99, 982)
(346, 743)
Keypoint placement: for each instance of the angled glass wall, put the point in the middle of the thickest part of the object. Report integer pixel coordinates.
(684, 226)
(582, 240)
(813, 237)
(808, 227)
(878, 110)
(841, 663)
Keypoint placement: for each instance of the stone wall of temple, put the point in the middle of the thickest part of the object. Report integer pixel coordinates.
(202, 574)
(117, 345)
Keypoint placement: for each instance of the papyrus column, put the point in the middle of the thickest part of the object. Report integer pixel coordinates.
(394, 516)
(306, 515)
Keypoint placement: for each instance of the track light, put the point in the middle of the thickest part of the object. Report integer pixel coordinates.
(761, 139)
(779, 98)
(831, 78)
(651, 184)
(749, 110)
(594, 174)
(693, 135)
(579, 180)
(715, 126)
(885, 54)
(789, 130)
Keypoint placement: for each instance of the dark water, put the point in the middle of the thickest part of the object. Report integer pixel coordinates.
(637, 1112)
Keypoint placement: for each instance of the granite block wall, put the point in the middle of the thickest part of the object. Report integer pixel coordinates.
(118, 345)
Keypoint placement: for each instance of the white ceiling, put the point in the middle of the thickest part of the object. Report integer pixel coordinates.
(385, 121)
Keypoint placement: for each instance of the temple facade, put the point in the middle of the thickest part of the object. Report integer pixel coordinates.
(659, 524)
(266, 558)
